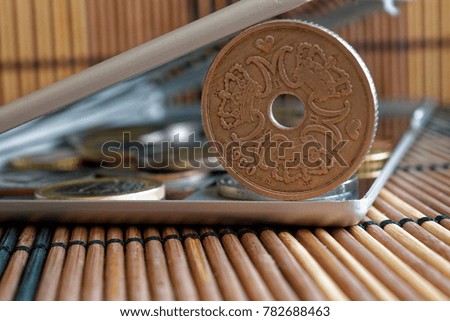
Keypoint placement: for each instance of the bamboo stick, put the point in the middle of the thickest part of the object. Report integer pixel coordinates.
(220, 4)
(93, 276)
(49, 282)
(62, 38)
(438, 146)
(136, 274)
(414, 229)
(375, 265)
(351, 286)
(266, 267)
(386, 66)
(433, 177)
(300, 281)
(102, 27)
(378, 289)
(415, 280)
(434, 151)
(227, 278)
(10, 83)
(111, 28)
(429, 194)
(370, 53)
(416, 57)
(44, 42)
(378, 56)
(397, 234)
(147, 10)
(7, 245)
(157, 269)
(79, 33)
(180, 275)
(430, 11)
(94, 37)
(445, 51)
(121, 25)
(438, 176)
(313, 268)
(30, 279)
(174, 14)
(157, 24)
(204, 7)
(401, 47)
(72, 273)
(201, 271)
(426, 203)
(26, 46)
(13, 272)
(412, 212)
(165, 14)
(251, 280)
(115, 279)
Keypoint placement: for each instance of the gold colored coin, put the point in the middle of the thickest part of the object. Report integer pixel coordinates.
(334, 93)
(179, 184)
(111, 147)
(58, 160)
(104, 189)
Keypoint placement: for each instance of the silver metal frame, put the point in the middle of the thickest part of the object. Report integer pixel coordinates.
(147, 57)
(318, 213)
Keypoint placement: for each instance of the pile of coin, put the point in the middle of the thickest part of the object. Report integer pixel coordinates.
(141, 162)
(229, 188)
(373, 164)
(375, 160)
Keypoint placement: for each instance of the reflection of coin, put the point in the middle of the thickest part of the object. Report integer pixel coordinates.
(375, 160)
(64, 159)
(320, 70)
(111, 146)
(15, 182)
(178, 184)
(104, 189)
(182, 159)
(169, 178)
(228, 187)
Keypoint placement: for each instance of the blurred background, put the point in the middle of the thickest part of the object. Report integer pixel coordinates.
(42, 41)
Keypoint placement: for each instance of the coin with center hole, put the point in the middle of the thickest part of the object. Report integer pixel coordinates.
(104, 189)
(290, 108)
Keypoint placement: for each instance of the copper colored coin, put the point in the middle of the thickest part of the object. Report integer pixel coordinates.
(336, 101)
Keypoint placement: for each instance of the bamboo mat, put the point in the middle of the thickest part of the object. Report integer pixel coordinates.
(42, 41)
(400, 251)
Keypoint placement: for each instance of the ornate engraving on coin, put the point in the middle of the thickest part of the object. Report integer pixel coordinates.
(308, 62)
(104, 189)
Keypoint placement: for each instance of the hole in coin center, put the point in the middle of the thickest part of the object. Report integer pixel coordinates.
(287, 111)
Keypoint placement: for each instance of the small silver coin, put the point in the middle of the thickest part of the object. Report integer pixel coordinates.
(230, 188)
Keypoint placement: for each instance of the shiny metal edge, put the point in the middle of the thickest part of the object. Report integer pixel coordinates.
(142, 58)
(339, 213)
